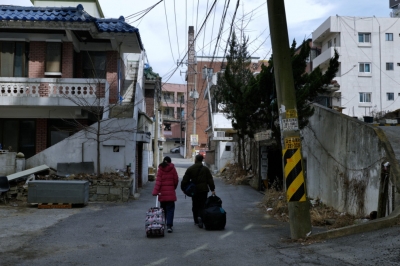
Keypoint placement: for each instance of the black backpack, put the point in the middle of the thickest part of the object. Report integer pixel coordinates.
(190, 189)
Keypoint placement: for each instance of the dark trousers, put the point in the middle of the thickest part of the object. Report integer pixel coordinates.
(198, 205)
(169, 209)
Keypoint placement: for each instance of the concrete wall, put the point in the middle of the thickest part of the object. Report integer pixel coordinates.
(82, 147)
(223, 157)
(7, 163)
(343, 158)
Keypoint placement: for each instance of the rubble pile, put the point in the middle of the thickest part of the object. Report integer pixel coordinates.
(276, 205)
(89, 177)
(234, 174)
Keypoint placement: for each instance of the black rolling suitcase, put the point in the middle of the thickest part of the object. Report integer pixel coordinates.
(155, 221)
(214, 216)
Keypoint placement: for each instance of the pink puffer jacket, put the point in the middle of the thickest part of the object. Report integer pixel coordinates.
(166, 183)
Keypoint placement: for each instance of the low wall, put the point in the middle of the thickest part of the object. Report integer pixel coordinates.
(99, 190)
(115, 190)
(342, 160)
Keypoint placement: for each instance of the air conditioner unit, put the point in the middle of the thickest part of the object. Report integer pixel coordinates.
(219, 134)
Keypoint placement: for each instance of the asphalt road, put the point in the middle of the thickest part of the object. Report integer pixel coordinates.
(113, 234)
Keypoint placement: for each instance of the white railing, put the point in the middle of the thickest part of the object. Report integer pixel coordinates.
(49, 87)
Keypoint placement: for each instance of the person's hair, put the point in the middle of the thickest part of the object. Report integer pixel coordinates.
(199, 158)
(166, 161)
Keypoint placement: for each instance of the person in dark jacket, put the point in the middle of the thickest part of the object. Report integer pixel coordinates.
(166, 184)
(203, 179)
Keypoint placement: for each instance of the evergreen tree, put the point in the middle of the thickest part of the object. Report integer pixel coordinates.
(233, 91)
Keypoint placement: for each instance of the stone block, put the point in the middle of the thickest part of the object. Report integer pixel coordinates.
(105, 183)
(92, 197)
(111, 197)
(103, 190)
(123, 183)
(101, 197)
(93, 190)
(115, 191)
(126, 192)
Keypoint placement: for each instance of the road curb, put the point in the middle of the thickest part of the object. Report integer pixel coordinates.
(373, 225)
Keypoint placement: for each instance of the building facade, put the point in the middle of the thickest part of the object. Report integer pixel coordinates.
(367, 83)
(58, 66)
(173, 109)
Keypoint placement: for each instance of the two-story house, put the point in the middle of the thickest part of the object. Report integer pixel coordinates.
(62, 70)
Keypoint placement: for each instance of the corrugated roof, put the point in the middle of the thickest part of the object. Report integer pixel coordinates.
(70, 14)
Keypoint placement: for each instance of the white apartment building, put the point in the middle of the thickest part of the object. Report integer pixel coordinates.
(369, 59)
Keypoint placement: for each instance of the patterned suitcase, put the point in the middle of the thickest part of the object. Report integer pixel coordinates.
(155, 221)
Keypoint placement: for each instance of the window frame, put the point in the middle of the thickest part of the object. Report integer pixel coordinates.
(53, 63)
(363, 64)
(389, 66)
(365, 97)
(390, 96)
(364, 35)
(389, 37)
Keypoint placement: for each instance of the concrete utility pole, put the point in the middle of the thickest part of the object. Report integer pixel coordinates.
(299, 208)
(157, 94)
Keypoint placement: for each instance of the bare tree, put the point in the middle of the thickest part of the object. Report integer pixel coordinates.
(93, 99)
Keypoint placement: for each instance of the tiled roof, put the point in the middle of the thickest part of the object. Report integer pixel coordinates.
(71, 14)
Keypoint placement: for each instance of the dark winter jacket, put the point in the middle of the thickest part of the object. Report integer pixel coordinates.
(203, 179)
(166, 183)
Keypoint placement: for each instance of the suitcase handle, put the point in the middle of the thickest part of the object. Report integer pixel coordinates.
(157, 201)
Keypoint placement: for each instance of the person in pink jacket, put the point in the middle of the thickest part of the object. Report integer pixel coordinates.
(166, 184)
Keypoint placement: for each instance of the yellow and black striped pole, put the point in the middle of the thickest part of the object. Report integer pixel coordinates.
(299, 213)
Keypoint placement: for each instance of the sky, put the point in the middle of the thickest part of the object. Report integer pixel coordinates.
(164, 29)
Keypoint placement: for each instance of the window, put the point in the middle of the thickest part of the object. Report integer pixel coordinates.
(180, 113)
(18, 135)
(13, 59)
(53, 58)
(94, 65)
(365, 67)
(334, 42)
(389, 66)
(390, 96)
(168, 97)
(167, 126)
(329, 43)
(389, 37)
(365, 97)
(364, 37)
(227, 148)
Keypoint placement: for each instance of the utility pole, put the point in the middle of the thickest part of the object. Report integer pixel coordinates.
(157, 92)
(180, 108)
(299, 208)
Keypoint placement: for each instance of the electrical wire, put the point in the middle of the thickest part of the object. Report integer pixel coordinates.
(169, 38)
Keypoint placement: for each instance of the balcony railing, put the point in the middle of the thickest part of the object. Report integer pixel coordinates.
(323, 59)
(49, 87)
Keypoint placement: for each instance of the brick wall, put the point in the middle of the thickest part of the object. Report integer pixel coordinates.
(78, 66)
(41, 134)
(44, 90)
(37, 57)
(67, 60)
(149, 98)
(112, 77)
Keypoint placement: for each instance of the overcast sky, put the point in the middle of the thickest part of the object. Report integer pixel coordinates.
(164, 29)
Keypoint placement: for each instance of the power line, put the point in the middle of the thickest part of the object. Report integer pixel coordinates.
(179, 63)
(176, 29)
(169, 38)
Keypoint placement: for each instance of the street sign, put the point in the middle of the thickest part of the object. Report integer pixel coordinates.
(194, 140)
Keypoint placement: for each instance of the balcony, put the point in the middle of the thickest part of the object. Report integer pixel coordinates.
(169, 118)
(51, 91)
(323, 59)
